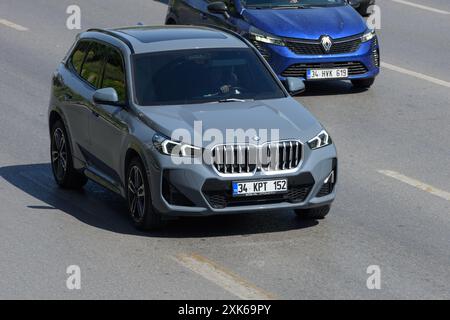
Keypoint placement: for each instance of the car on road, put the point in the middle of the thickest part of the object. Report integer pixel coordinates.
(119, 96)
(307, 39)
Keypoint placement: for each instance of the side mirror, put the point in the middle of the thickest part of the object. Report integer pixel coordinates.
(294, 85)
(354, 3)
(219, 7)
(106, 96)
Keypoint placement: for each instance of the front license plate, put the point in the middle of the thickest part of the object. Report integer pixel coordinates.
(251, 188)
(326, 74)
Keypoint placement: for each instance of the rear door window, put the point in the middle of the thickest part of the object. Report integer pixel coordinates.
(92, 67)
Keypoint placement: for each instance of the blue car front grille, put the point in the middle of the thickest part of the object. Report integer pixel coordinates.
(314, 47)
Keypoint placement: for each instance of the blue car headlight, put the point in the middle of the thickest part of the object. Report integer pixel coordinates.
(369, 35)
(322, 139)
(261, 36)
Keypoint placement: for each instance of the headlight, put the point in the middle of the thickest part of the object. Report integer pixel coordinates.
(261, 36)
(174, 148)
(321, 140)
(368, 36)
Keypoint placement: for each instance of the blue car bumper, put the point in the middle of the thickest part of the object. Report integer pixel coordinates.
(362, 63)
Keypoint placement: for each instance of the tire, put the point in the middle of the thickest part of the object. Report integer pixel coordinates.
(140, 208)
(61, 159)
(313, 213)
(363, 83)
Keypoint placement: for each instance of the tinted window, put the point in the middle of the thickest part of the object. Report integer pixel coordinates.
(93, 63)
(198, 76)
(78, 56)
(114, 76)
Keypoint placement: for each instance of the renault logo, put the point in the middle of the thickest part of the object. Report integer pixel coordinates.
(326, 43)
(256, 138)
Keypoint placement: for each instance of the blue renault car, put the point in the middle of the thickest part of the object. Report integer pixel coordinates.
(308, 39)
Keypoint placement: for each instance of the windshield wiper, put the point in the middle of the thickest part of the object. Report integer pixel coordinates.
(289, 7)
(231, 100)
(269, 6)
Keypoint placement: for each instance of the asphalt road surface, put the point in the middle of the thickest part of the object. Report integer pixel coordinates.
(392, 208)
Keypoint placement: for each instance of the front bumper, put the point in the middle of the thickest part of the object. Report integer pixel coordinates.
(197, 190)
(282, 60)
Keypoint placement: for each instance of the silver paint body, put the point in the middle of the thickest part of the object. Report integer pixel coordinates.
(101, 135)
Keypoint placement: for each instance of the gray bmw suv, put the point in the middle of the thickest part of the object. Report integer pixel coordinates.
(185, 121)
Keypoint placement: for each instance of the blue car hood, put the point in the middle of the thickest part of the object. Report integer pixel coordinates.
(336, 22)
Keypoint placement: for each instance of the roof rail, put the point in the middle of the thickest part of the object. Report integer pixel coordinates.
(115, 35)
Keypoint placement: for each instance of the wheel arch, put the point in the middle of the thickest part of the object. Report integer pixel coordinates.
(53, 117)
(130, 155)
(133, 151)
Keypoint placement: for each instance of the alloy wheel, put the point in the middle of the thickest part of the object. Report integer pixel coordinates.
(59, 154)
(136, 193)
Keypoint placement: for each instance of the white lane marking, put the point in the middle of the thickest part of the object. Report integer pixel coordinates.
(222, 277)
(416, 74)
(13, 25)
(420, 6)
(417, 184)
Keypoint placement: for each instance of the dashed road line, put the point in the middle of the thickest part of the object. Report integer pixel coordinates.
(222, 277)
(416, 74)
(417, 184)
(421, 6)
(13, 25)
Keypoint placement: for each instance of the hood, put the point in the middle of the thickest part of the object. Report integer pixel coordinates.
(291, 119)
(311, 23)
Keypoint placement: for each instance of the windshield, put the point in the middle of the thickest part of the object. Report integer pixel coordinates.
(201, 76)
(291, 3)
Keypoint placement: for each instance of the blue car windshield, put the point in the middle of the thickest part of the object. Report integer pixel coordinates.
(291, 3)
(202, 76)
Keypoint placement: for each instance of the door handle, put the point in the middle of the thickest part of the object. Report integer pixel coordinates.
(203, 15)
